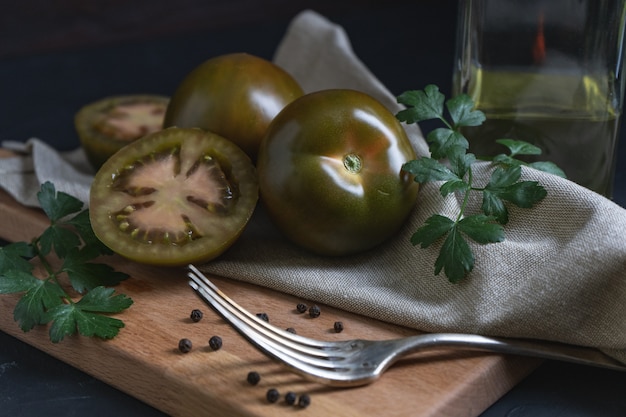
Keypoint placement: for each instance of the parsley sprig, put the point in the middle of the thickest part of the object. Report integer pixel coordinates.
(451, 163)
(70, 240)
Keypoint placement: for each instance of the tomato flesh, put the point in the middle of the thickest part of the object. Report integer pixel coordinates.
(330, 172)
(173, 197)
(109, 124)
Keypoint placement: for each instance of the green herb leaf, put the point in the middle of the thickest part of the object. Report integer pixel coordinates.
(453, 186)
(57, 205)
(445, 143)
(17, 280)
(549, 167)
(85, 276)
(504, 177)
(30, 310)
(482, 229)
(461, 109)
(493, 205)
(84, 316)
(519, 147)
(429, 169)
(422, 105)
(82, 224)
(436, 226)
(507, 161)
(455, 258)
(14, 256)
(58, 238)
(71, 239)
(448, 143)
(103, 300)
(461, 163)
(524, 194)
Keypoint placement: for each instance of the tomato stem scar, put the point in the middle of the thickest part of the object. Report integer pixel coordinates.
(353, 163)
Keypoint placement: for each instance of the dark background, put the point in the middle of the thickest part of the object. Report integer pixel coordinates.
(58, 55)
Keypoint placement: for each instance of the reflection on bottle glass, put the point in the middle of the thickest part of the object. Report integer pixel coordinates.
(570, 117)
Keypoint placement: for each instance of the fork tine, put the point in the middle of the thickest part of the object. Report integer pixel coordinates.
(256, 331)
(323, 348)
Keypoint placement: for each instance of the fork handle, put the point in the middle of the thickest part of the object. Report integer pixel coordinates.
(523, 347)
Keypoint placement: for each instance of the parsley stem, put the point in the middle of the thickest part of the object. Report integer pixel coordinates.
(470, 179)
(448, 125)
(42, 259)
(52, 274)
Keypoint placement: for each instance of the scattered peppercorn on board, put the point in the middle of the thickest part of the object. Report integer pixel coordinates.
(145, 362)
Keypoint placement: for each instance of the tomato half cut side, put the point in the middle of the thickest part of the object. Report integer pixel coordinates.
(173, 197)
(109, 124)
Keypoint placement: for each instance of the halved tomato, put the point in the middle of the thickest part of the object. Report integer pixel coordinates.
(173, 197)
(107, 125)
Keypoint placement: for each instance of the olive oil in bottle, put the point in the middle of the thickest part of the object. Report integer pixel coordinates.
(570, 117)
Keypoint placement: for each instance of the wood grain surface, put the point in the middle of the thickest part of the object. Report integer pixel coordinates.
(144, 361)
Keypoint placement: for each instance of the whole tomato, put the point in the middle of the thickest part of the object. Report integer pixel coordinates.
(234, 95)
(330, 172)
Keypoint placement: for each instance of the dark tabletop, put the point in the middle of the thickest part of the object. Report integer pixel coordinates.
(406, 44)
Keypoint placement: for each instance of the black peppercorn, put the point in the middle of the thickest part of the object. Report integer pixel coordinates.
(304, 400)
(291, 330)
(272, 395)
(253, 377)
(184, 345)
(263, 316)
(338, 326)
(314, 311)
(290, 398)
(196, 315)
(301, 308)
(215, 342)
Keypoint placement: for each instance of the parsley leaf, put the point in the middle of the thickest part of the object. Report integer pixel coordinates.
(85, 276)
(429, 169)
(518, 147)
(44, 299)
(482, 228)
(422, 105)
(456, 257)
(59, 239)
(17, 280)
(461, 109)
(444, 142)
(31, 309)
(436, 227)
(14, 256)
(57, 205)
(451, 164)
(84, 317)
(82, 225)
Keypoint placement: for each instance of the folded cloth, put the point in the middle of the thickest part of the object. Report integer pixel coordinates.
(35, 163)
(559, 275)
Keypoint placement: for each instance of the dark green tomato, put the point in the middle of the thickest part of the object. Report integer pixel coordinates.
(173, 197)
(235, 96)
(330, 172)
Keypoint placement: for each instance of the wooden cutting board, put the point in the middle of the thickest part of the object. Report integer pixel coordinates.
(144, 361)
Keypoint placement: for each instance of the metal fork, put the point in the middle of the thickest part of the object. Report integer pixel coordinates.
(359, 362)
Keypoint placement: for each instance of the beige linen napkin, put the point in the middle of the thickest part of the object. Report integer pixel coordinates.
(559, 275)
